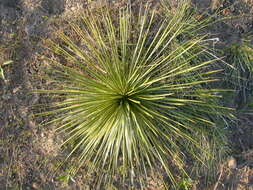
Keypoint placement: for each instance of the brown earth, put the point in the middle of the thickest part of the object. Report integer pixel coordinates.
(29, 151)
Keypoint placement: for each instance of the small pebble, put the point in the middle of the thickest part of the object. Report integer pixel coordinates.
(232, 163)
(35, 186)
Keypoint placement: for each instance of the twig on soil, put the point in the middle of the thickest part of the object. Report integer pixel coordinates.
(219, 178)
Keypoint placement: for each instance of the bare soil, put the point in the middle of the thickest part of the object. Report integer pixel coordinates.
(29, 151)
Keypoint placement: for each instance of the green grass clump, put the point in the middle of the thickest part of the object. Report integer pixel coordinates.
(239, 75)
(133, 95)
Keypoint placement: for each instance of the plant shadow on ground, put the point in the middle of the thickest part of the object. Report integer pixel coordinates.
(28, 153)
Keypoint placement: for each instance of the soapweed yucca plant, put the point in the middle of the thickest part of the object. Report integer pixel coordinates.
(129, 100)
